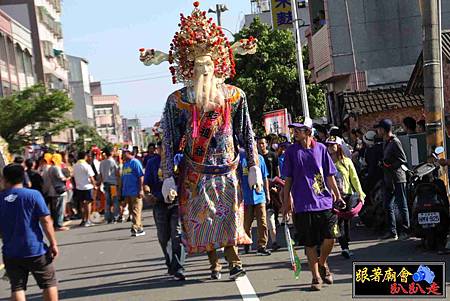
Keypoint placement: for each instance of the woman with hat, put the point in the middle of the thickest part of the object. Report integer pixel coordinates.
(348, 184)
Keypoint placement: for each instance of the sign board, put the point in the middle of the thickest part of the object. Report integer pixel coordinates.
(282, 12)
(276, 122)
(394, 280)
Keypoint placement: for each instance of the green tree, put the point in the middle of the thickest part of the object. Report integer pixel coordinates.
(33, 112)
(89, 137)
(270, 78)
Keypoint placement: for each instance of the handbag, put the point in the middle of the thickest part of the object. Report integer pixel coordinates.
(59, 186)
(60, 189)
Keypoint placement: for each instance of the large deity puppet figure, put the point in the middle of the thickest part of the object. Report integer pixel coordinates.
(209, 121)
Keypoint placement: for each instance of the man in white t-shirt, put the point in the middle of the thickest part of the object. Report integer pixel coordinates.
(84, 185)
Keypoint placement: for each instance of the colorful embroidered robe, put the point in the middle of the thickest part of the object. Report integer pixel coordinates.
(210, 199)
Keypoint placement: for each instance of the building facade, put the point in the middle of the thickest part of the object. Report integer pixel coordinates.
(16, 56)
(43, 19)
(107, 117)
(80, 90)
(359, 45)
(133, 133)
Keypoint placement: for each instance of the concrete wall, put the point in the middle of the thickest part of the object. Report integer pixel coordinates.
(80, 91)
(387, 37)
(368, 121)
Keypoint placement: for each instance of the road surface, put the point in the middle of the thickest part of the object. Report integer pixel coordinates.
(105, 263)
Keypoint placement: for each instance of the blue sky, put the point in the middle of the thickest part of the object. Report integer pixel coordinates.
(108, 33)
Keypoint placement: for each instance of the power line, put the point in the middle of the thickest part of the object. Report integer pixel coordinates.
(79, 83)
(132, 76)
(135, 80)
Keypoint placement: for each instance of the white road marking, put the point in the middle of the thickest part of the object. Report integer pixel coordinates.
(246, 289)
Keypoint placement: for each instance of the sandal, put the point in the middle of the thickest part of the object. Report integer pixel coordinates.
(316, 284)
(326, 274)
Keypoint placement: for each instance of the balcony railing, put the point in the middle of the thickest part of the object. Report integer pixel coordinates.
(46, 18)
(321, 53)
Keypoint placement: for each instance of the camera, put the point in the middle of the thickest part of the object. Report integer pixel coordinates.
(423, 273)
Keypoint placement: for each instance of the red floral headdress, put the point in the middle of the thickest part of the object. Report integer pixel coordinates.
(199, 36)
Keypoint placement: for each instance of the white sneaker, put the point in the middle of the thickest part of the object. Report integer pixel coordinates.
(139, 233)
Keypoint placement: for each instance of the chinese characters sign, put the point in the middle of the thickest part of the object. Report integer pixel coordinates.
(276, 122)
(282, 13)
(390, 279)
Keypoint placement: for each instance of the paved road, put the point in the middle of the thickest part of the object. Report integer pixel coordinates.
(105, 263)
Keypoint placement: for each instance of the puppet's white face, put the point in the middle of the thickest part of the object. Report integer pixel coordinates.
(207, 96)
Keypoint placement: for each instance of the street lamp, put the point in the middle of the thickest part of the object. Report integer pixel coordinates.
(220, 8)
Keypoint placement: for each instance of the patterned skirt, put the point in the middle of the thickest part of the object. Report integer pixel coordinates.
(211, 210)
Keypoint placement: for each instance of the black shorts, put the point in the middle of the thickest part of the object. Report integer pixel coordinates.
(83, 195)
(313, 227)
(41, 267)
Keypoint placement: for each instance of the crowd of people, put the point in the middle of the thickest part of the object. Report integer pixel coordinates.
(305, 178)
(73, 185)
(310, 178)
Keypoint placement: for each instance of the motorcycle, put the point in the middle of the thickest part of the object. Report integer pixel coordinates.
(430, 206)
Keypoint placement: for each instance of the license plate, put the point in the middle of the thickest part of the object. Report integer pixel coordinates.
(427, 218)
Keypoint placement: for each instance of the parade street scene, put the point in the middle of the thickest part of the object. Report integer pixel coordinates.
(249, 150)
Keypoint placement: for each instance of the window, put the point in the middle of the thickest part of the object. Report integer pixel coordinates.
(28, 63)
(56, 5)
(318, 16)
(47, 48)
(3, 59)
(12, 60)
(58, 30)
(19, 60)
(6, 88)
(47, 19)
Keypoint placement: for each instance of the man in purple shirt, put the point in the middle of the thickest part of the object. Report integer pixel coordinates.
(309, 173)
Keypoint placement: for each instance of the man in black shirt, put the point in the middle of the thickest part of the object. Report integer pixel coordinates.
(270, 158)
(394, 178)
(35, 178)
(26, 181)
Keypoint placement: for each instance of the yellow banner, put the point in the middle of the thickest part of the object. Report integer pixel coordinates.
(282, 13)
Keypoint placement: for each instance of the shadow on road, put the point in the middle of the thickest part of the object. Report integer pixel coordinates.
(119, 287)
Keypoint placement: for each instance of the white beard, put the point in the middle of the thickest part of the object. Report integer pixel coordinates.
(207, 94)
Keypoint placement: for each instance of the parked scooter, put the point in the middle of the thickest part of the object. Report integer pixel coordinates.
(430, 205)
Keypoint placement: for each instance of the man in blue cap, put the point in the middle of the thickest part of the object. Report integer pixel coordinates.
(394, 179)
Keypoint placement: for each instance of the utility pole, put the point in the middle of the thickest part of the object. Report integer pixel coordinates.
(433, 77)
(219, 13)
(432, 73)
(301, 73)
(220, 8)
